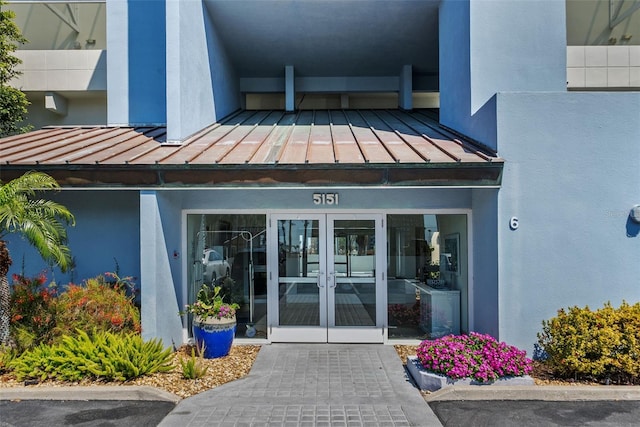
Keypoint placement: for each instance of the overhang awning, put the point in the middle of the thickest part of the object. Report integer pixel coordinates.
(327, 147)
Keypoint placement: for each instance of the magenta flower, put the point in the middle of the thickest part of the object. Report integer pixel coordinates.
(475, 356)
(209, 303)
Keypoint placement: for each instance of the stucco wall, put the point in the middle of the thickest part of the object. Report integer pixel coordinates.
(83, 110)
(170, 209)
(350, 198)
(571, 176)
(484, 294)
(492, 46)
(118, 62)
(159, 221)
(107, 231)
(201, 83)
(224, 79)
(136, 67)
(571, 172)
(147, 62)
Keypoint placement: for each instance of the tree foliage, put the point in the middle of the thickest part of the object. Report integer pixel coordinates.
(13, 102)
(13, 110)
(42, 222)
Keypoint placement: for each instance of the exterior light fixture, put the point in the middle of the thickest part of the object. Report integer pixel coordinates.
(635, 214)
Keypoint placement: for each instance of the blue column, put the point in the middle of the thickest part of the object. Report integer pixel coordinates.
(289, 88)
(117, 62)
(159, 302)
(406, 88)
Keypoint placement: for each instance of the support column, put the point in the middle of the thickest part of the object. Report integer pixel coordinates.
(344, 101)
(405, 98)
(118, 62)
(159, 302)
(202, 85)
(289, 88)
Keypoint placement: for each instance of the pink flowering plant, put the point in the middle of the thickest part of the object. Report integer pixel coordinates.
(476, 356)
(210, 303)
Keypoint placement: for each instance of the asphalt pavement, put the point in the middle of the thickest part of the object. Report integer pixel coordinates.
(103, 406)
(534, 406)
(49, 413)
(535, 413)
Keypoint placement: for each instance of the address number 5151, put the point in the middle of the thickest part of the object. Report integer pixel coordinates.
(325, 198)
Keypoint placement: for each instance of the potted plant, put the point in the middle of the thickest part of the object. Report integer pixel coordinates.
(214, 322)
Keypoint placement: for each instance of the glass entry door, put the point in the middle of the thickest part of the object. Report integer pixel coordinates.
(327, 281)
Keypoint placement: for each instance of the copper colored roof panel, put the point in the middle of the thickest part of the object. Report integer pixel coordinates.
(325, 139)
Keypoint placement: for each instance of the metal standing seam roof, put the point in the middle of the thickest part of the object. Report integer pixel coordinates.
(329, 139)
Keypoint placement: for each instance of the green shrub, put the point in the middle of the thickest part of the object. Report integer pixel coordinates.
(192, 368)
(101, 356)
(33, 312)
(602, 344)
(7, 354)
(96, 305)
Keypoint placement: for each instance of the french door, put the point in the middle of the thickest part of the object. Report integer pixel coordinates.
(327, 280)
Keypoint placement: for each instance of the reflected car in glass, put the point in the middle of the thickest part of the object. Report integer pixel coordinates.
(215, 266)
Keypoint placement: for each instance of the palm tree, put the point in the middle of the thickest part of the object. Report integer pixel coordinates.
(42, 222)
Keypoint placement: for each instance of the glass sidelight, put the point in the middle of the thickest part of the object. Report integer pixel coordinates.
(428, 275)
(229, 250)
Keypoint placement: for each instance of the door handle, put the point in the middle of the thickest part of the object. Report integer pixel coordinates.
(332, 281)
(319, 282)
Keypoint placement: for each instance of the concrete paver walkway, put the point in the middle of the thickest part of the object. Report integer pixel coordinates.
(312, 385)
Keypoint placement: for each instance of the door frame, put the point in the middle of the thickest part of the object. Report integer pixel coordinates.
(360, 334)
(327, 331)
(301, 334)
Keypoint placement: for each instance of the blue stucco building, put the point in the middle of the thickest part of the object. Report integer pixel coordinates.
(370, 171)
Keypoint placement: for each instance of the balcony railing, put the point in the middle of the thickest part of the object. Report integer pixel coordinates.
(66, 70)
(603, 67)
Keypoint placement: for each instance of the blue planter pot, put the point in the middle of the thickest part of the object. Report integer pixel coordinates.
(215, 335)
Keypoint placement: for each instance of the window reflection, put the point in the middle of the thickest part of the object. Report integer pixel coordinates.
(427, 275)
(230, 251)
